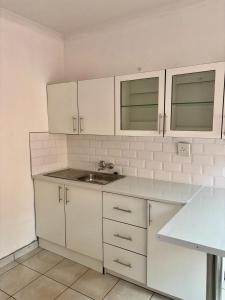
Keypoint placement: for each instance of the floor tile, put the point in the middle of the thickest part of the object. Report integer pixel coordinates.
(16, 279)
(66, 272)
(8, 267)
(28, 255)
(128, 291)
(3, 296)
(42, 288)
(72, 295)
(159, 297)
(43, 261)
(94, 284)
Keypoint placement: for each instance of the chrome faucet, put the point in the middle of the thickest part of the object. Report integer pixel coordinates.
(102, 165)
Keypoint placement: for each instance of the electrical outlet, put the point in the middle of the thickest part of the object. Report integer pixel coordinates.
(183, 149)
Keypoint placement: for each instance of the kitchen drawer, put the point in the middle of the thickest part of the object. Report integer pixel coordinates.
(126, 263)
(125, 236)
(125, 209)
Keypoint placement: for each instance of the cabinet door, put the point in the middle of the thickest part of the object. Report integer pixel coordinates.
(140, 104)
(96, 106)
(49, 207)
(194, 101)
(62, 108)
(84, 221)
(171, 269)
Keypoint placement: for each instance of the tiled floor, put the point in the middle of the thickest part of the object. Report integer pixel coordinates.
(42, 275)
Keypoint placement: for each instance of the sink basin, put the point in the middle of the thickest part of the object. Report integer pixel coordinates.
(100, 178)
(85, 176)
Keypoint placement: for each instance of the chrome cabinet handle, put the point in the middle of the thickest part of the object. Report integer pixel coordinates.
(122, 263)
(149, 214)
(74, 124)
(122, 209)
(59, 193)
(81, 128)
(66, 196)
(164, 122)
(128, 238)
(159, 123)
(224, 124)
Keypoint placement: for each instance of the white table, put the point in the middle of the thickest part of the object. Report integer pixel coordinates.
(201, 225)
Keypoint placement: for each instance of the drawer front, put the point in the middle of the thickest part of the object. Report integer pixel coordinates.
(125, 236)
(125, 209)
(126, 263)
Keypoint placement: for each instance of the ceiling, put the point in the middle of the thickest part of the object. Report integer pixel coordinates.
(73, 16)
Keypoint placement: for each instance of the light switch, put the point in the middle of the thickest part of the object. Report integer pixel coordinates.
(183, 149)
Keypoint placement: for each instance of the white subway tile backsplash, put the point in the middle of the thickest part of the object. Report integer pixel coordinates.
(122, 162)
(192, 169)
(151, 157)
(169, 166)
(202, 180)
(144, 154)
(214, 149)
(129, 171)
(196, 148)
(181, 159)
(153, 165)
(129, 153)
(138, 163)
(162, 156)
(115, 152)
(137, 145)
(162, 175)
(145, 173)
(169, 147)
(153, 146)
(181, 177)
(203, 159)
(48, 152)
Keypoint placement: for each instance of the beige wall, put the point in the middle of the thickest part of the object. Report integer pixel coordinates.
(30, 57)
(179, 36)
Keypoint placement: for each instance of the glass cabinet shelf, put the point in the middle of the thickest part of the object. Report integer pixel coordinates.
(198, 103)
(138, 105)
(143, 93)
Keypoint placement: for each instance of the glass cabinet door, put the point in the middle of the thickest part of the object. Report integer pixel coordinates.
(194, 99)
(139, 104)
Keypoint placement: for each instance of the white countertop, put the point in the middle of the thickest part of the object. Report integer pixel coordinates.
(153, 189)
(144, 188)
(200, 224)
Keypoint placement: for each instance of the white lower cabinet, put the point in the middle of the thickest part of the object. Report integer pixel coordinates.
(171, 269)
(84, 221)
(126, 263)
(69, 216)
(125, 236)
(49, 207)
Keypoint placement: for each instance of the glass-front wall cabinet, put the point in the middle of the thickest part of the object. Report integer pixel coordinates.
(140, 104)
(194, 101)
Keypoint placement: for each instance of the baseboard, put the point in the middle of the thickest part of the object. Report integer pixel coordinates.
(18, 253)
(107, 271)
(75, 256)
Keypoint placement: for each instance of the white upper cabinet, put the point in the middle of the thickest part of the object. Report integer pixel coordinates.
(194, 101)
(140, 104)
(62, 108)
(96, 106)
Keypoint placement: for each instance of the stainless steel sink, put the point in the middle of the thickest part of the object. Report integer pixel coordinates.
(100, 178)
(85, 176)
